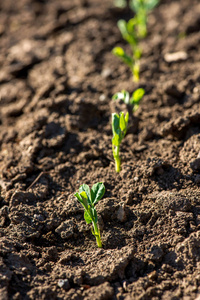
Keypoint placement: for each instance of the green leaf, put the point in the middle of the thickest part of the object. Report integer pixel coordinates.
(131, 26)
(126, 98)
(78, 197)
(150, 4)
(117, 96)
(122, 25)
(87, 217)
(84, 199)
(85, 188)
(128, 31)
(97, 192)
(137, 96)
(135, 5)
(138, 5)
(115, 123)
(126, 119)
(123, 95)
(122, 122)
(119, 52)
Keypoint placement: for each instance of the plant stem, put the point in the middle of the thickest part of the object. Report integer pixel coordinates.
(117, 164)
(97, 234)
(117, 159)
(136, 72)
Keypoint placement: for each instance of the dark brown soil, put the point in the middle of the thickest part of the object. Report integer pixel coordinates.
(57, 77)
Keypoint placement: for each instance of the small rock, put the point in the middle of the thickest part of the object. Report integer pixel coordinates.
(106, 73)
(66, 229)
(176, 56)
(153, 275)
(129, 197)
(121, 214)
(102, 97)
(64, 283)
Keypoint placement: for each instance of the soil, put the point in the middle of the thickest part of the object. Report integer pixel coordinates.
(57, 78)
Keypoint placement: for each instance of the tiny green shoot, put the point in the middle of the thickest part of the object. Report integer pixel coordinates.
(119, 129)
(134, 100)
(89, 198)
(129, 34)
(132, 31)
(142, 9)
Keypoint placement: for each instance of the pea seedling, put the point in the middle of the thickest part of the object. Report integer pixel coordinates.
(89, 198)
(142, 9)
(119, 129)
(132, 31)
(133, 101)
(129, 34)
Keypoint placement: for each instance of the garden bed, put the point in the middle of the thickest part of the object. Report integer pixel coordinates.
(57, 78)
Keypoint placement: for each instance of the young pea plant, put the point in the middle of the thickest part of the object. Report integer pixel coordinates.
(133, 101)
(119, 129)
(142, 9)
(132, 31)
(129, 33)
(89, 198)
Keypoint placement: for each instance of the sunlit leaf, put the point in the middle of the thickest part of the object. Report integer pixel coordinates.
(97, 192)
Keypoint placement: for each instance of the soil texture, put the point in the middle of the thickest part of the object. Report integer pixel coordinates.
(57, 78)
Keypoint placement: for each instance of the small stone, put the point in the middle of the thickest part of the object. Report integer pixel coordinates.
(153, 275)
(38, 217)
(64, 283)
(176, 56)
(66, 229)
(196, 90)
(129, 197)
(121, 214)
(102, 97)
(106, 73)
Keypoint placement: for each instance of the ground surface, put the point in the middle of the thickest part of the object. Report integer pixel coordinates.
(57, 78)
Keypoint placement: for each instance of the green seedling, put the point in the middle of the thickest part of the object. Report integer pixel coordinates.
(119, 129)
(132, 31)
(129, 34)
(133, 101)
(142, 9)
(89, 198)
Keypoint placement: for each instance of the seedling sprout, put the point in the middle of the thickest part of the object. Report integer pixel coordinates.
(134, 100)
(132, 31)
(119, 129)
(89, 198)
(129, 34)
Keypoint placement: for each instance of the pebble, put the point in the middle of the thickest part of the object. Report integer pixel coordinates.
(176, 56)
(102, 97)
(121, 214)
(64, 283)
